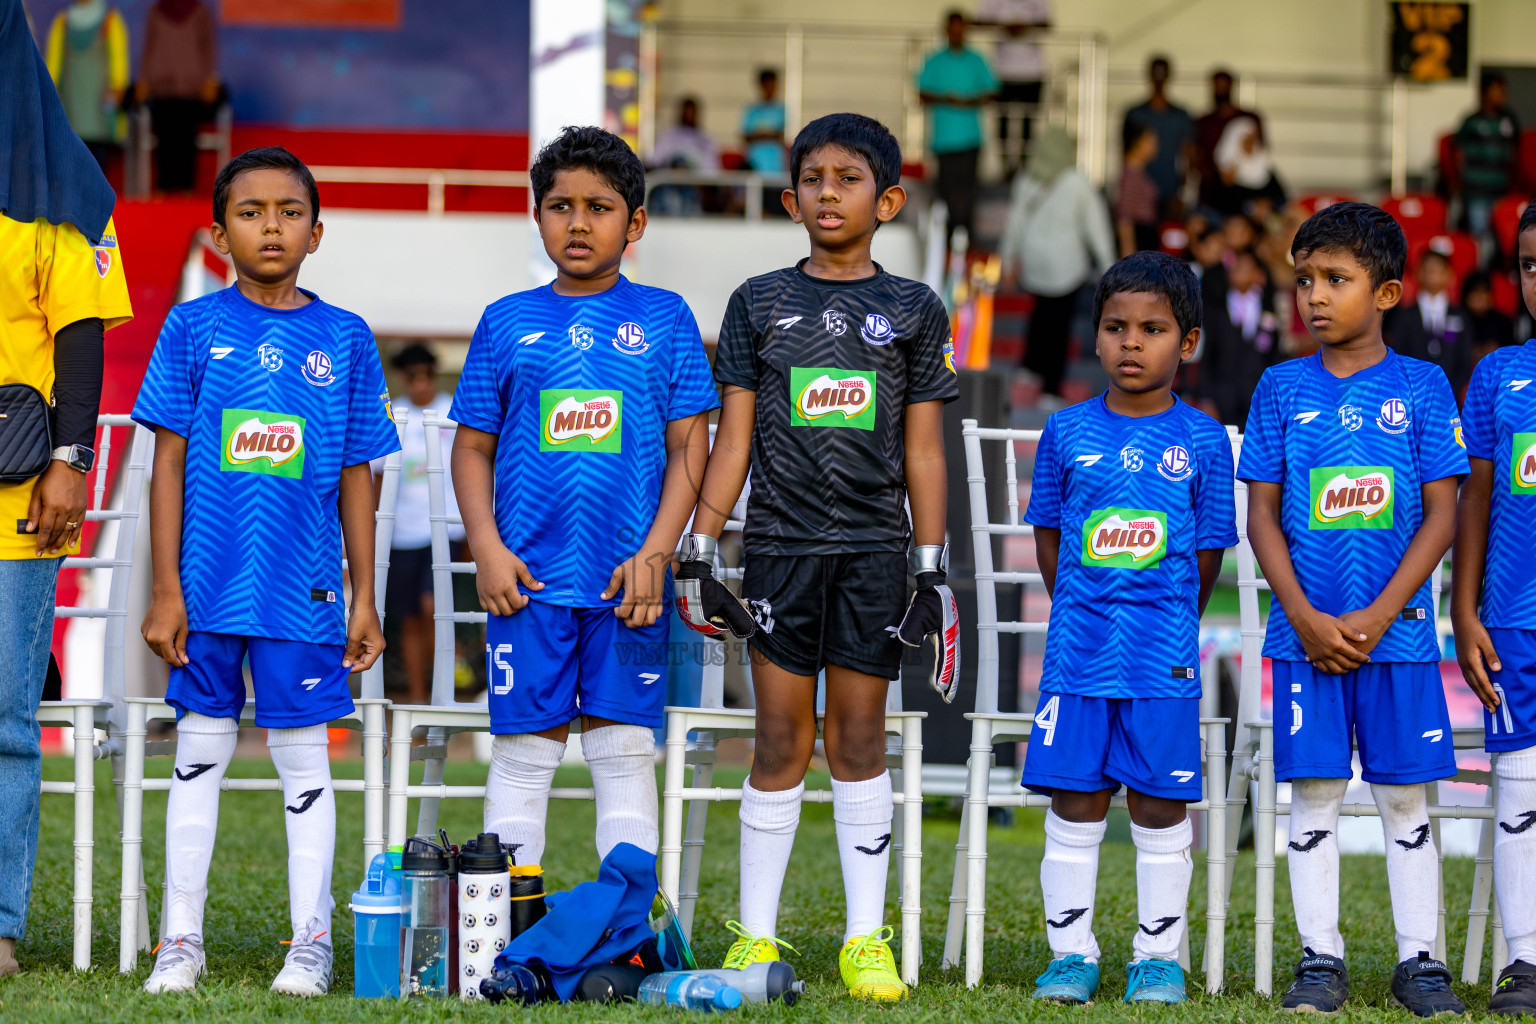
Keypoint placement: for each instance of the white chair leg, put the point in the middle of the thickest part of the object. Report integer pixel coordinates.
(1264, 869)
(374, 788)
(955, 928)
(1215, 857)
(85, 834)
(399, 775)
(671, 851)
(431, 775)
(977, 792)
(1432, 796)
(693, 839)
(911, 856)
(1239, 794)
(1482, 893)
(133, 837)
(1500, 947)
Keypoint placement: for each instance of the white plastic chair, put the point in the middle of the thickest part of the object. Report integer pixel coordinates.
(967, 901)
(1253, 766)
(85, 715)
(368, 717)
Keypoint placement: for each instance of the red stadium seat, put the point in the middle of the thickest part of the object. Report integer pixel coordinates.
(1506, 221)
(1312, 203)
(1506, 295)
(1457, 246)
(1528, 159)
(1421, 214)
(1172, 238)
(1450, 174)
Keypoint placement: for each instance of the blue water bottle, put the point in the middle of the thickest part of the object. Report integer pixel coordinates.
(689, 990)
(376, 913)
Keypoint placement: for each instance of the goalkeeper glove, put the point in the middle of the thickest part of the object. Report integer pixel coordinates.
(934, 615)
(703, 602)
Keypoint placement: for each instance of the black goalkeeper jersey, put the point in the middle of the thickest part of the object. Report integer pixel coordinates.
(835, 365)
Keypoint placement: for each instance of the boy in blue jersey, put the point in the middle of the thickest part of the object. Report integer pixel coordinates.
(583, 430)
(1132, 507)
(1352, 457)
(267, 405)
(1493, 606)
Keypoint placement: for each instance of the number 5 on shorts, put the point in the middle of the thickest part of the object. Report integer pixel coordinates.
(1045, 718)
(496, 663)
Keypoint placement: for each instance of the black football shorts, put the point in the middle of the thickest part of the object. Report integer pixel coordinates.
(815, 610)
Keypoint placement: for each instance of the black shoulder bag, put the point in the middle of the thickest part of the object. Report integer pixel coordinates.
(26, 433)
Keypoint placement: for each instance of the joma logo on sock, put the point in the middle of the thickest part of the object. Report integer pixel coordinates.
(307, 800)
(1527, 818)
(194, 770)
(1163, 924)
(1314, 837)
(1068, 917)
(1423, 837)
(883, 841)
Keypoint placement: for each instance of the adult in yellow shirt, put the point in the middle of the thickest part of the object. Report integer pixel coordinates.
(61, 287)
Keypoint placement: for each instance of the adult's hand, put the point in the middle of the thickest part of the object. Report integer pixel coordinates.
(58, 507)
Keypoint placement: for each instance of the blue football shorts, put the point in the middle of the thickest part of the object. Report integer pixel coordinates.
(296, 683)
(1086, 744)
(1395, 712)
(548, 663)
(1513, 725)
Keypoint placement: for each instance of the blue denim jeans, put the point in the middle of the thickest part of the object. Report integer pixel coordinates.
(26, 626)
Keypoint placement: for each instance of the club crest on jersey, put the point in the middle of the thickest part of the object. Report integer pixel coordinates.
(256, 441)
(270, 357)
(834, 322)
(1131, 458)
(825, 396)
(1522, 464)
(949, 354)
(317, 369)
(1176, 465)
(1125, 538)
(103, 262)
(1456, 431)
(877, 330)
(630, 339)
(581, 420)
(1394, 416)
(1352, 498)
(1350, 417)
(581, 336)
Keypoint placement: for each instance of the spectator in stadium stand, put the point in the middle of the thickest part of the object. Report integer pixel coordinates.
(179, 79)
(1242, 335)
(88, 60)
(1210, 128)
(762, 126)
(1487, 328)
(1488, 152)
(1020, 65)
(954, 84)
(1136, 197)
(1175, 131)
(61, 286)
(1431, 327)
(1058, 236)
(683, 147)
(1248, 180)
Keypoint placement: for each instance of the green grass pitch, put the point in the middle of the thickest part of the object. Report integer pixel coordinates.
(247, 917)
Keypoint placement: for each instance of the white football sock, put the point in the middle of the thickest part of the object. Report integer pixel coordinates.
(1413, 867)
(517, 791)
(1313, 858)
(862, 813)
(1163, 871)
(302, 758)
(768, 824)
(1069, 876)
(622, 760)
(203, 748)
(1514, 852)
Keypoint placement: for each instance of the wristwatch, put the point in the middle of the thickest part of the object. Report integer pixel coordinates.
(76, 456)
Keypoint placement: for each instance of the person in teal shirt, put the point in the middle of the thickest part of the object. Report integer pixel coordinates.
(762, 126)
(954, 85)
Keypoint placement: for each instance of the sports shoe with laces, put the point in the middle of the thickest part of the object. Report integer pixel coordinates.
(1321, 985)
(1068, 979)
(868, 967)
(1422, 985)
(1516, 991)
(179, 962)
(1154, 981)
(307, 970)
(751, 949)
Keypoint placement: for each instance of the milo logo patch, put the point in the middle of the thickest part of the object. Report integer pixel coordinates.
(581, 420)
(825, 396)
(255, 441)
(1125, 538)
(1522, 465)
(1351, 498)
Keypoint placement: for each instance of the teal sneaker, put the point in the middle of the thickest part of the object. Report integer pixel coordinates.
(1069, 979)
(1154, 981)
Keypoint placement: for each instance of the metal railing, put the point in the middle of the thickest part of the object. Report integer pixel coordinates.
(435, 179)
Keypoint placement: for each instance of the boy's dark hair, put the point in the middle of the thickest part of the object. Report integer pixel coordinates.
(1153, 273)
(414, 354)
(1134, 130)
(860, 135)
(264, 158)
(1478, 280)
(765, 74)
(1159, 60)
(1490, 78)
(1366, 232)
(590, 148)
(1527, 218)
(953, 13)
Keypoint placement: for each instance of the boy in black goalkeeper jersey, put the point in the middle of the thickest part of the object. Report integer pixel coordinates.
(835, 375)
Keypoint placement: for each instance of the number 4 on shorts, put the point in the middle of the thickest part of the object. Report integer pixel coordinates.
(1045, 718)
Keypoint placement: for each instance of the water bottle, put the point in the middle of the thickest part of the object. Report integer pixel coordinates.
(376, 915)
(690, 990)
(485, 923)
(520, 983)
(607, 983)
(759, 983)
(424, 917)
(671, 943)
(526, 887)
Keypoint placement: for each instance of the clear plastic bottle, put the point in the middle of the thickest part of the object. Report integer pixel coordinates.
(425, 911)
(761, 983)
(689, 990)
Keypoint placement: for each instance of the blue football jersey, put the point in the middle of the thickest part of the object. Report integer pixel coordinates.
(1351, 455)
(273, 404)
(579, 391)
(1135, 497)
(1499, 424)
